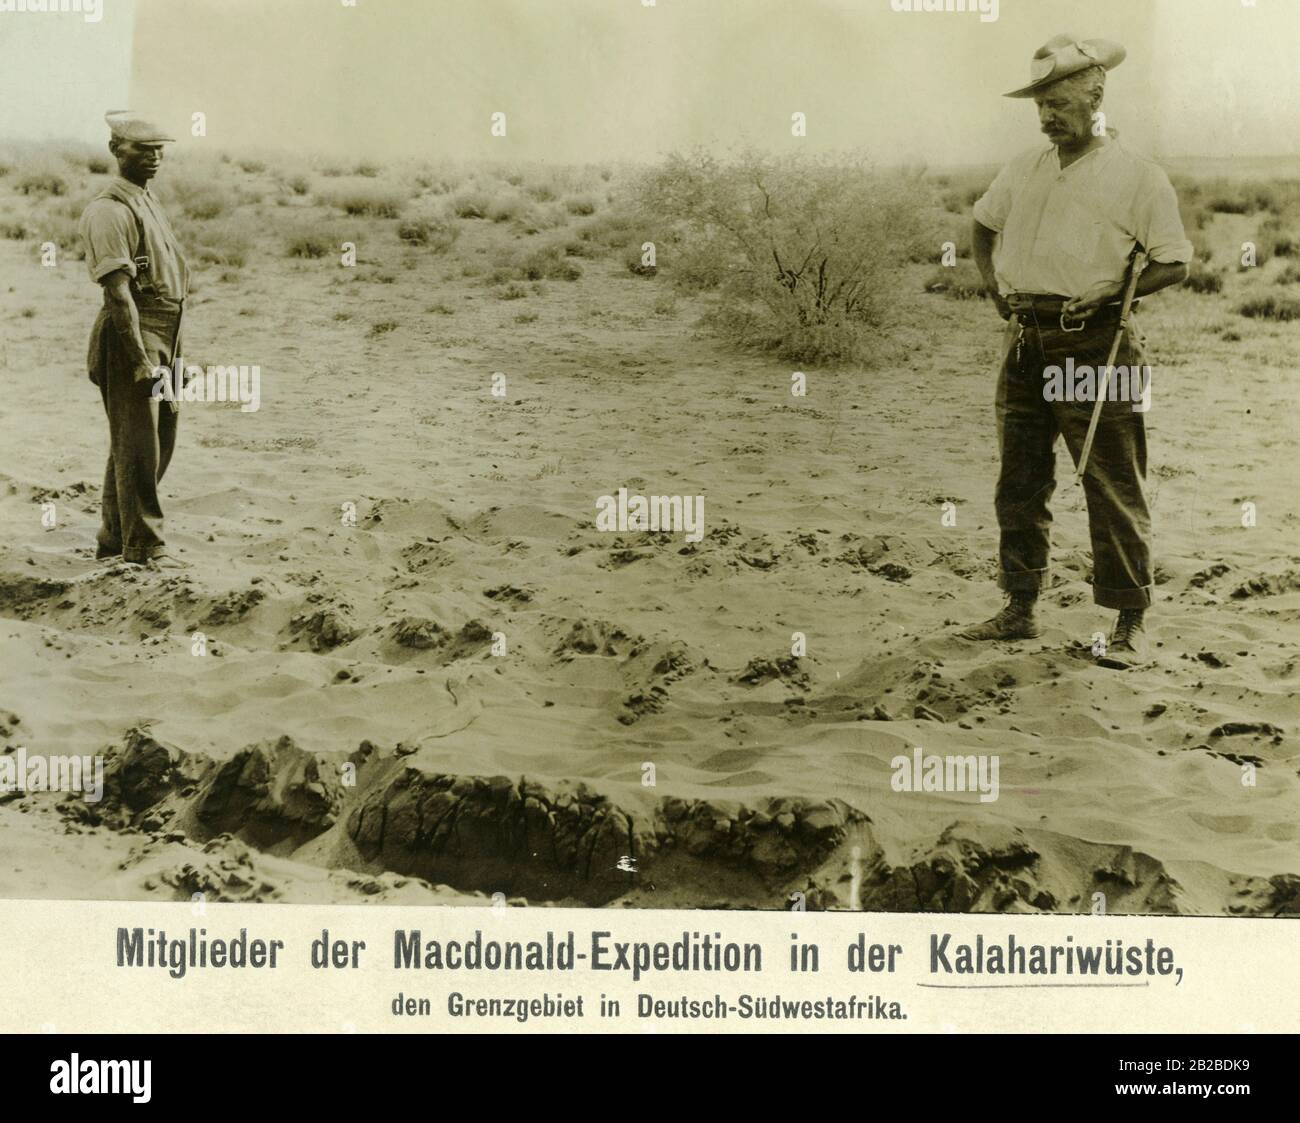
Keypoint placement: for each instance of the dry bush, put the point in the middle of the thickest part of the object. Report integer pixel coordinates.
(194, 192)
(960, 282)
(1275, 237)
(377, 202)
(225, 241)
(1271, 307)
(806, 253)
(1289, 276)
(508, 208)
(1203, 280)
(436, 234)
(471, 203)
(580, 204)
(549, 263)
(40, 178)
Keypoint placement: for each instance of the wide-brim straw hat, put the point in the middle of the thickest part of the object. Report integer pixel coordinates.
(1064, 55)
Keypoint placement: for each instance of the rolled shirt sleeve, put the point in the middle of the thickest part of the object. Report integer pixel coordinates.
(108, 233)
(992, 208)
(1159, 226)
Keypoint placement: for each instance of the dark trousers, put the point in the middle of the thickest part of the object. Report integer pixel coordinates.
(1028, 426)
(142, 436)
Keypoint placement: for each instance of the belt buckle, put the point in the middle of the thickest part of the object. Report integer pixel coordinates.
(1082, 323)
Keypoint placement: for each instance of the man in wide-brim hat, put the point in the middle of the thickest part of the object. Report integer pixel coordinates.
(1053, 238)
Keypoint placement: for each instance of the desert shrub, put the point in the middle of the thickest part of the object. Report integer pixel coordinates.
(377, 202)
(15, 231)
(298, 184)
(252, 167)
(225, 242)
(1289, 276)
(506, 208)
(366, 169)
(542, 192)
(309, 244)
(513, 291)
(434, 234)
(937, 230)
(616, 227)
(634, 257)
(99, 165)
(471, 204)
(961, 281)
(580, 204)
(1271, 234)
(195, 192)
(40, 181)
(806, 252)
(1203, 280)
(548, 263)
(1270, 307)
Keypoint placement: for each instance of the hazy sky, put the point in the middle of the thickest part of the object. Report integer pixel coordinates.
(618, 79)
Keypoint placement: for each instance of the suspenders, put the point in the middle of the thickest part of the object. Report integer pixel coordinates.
(143, 281)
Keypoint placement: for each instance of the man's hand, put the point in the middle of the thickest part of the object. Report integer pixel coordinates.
(1000, 303)
(1081, 307)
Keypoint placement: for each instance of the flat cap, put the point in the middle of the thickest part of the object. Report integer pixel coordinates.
(129, 125)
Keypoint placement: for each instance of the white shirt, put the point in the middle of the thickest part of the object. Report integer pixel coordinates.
(1064, 231)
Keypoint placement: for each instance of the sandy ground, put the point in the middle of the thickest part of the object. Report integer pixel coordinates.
(475, 516)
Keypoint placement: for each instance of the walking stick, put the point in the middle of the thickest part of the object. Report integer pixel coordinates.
(1136, 265)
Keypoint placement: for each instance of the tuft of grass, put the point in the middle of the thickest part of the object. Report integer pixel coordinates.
(434, 234)
(1289, 276)
(634, 259)
(580, 204)
(307, 245)
(1270, 307)
(375, 201)
(507, 208)
(959, 282)
(383, 327)
(549, 263)
(471, 204)
(225, 242)
(40, 181)
(1203, 280)
(512, 291)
